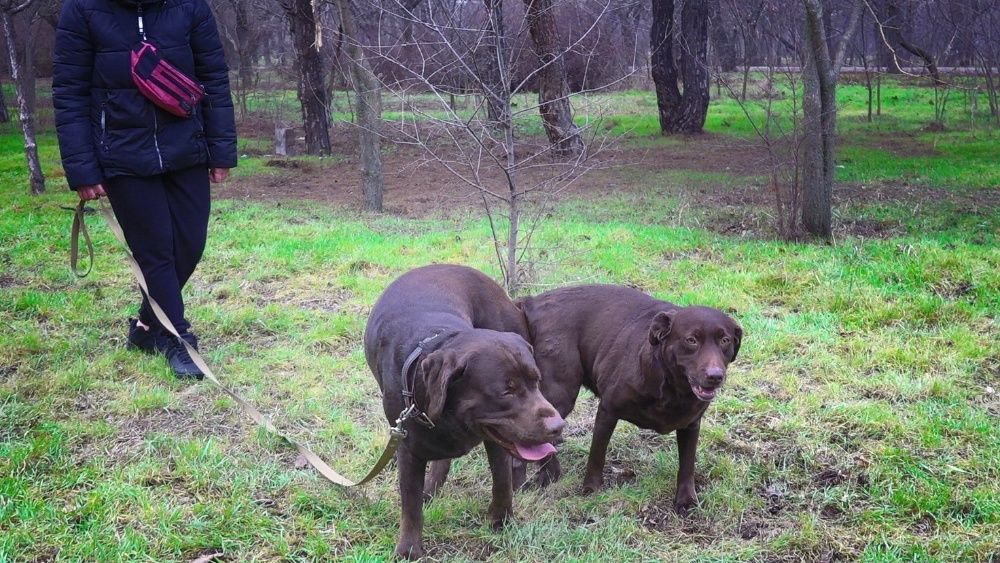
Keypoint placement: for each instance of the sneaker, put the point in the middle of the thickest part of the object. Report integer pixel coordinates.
(179, 359)
(149, 340)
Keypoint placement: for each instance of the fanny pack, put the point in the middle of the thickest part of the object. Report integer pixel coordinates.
(160, 81)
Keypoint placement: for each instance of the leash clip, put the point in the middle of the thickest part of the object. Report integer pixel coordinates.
(411, 412)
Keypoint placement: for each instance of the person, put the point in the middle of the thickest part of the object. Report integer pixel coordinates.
(154, 167)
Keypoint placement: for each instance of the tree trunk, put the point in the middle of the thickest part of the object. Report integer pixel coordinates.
(819, 107)
(723, 39)
(246, 40)
(495, 47)
(892, 26)
(369, 101)
(680, 113)
(553, 89)
(37, 179)
(28, 57)
(4, 114)
(312, 91)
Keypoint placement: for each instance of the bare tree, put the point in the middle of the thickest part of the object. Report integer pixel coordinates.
(243, 32)
(465, 47)
(680, 112)
(820, 72)
(553, 89)
(303, 25)
(891, 22)
(8, 9)
(368, 97)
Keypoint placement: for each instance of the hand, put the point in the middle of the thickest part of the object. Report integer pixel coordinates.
(218, 174)
(87, 193)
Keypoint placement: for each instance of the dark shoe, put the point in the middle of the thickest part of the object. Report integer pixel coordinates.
(149, 340)
(179, 359)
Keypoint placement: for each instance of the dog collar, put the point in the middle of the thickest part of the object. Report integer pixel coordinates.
(410, 409)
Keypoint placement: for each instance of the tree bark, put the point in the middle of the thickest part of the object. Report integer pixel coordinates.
(4, 114)
(496, 59)
(680, 113)
(312, 92)
(36, 178)
(369, 103)
(553, 89)
(723, 38)
(819, 107)
(247, 39)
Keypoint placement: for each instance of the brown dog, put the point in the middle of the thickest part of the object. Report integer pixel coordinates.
(651, 362)
(473, 377)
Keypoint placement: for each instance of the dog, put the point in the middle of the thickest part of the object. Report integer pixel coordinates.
(650, 362)
(453, 338)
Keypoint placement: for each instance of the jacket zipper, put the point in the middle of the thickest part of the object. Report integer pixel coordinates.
(104, 128)
(156, 141)
(156, 126)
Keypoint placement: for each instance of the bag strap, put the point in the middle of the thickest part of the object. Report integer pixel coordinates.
(142, 27)
(396, 433)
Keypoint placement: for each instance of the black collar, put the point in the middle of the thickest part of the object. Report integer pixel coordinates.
(409, 406)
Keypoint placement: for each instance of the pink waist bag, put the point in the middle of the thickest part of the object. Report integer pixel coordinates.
(162, 83)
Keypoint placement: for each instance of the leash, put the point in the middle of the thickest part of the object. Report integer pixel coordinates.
(396, 433)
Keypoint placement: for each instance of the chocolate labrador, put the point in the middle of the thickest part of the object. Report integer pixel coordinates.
(652, 363)
(448, 335)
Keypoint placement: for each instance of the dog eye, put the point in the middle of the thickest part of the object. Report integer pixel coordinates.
(692, 340)
(725, 340)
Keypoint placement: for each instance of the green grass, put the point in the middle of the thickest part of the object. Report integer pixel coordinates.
(856, 423)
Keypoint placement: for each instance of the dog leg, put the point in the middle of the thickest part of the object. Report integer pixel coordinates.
(519, 473)
(411, 492)
(604, 427)
(502, 505)
(436, 479)
(549, 472)
(687, 448)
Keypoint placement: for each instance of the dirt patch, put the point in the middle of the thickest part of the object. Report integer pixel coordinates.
(617, 473)
(829, 478)
(7, 282)
(475, 549)
(715, 175)
(194, 416)
(899, 143)
(416, 185)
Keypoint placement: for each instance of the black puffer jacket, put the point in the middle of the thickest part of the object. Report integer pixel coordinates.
(106, 128)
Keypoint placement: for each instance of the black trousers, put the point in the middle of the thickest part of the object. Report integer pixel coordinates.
(165, 220)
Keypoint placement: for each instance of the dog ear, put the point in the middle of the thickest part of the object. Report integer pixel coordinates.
(738, 339)
(440, 368)
(660, 327)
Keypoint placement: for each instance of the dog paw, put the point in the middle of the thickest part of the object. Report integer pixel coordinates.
(685, 503)
(499, 517)
(409, 551)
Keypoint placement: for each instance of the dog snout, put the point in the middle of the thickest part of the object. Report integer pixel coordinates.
(553, 425)
(714, 375)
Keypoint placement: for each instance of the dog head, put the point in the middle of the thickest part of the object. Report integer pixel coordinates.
(696, 345)
(488, 380)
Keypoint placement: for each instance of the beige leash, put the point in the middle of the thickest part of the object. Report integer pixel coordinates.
(396, 433)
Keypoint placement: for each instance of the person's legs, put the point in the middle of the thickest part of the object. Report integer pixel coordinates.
(142, 208)
(189, 199)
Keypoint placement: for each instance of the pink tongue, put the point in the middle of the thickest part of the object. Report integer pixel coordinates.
(535, 453)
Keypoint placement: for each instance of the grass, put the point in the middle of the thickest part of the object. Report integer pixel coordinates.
(858, 421)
